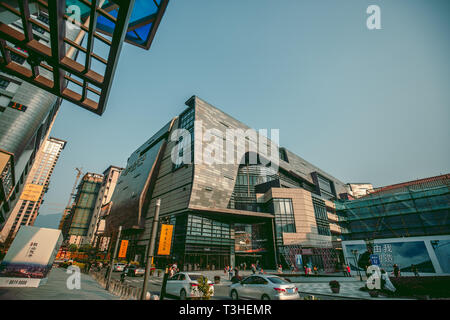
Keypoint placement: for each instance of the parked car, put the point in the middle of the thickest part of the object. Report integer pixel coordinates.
(134, 271)
(118, 267)
(185, 285)
(264, 287)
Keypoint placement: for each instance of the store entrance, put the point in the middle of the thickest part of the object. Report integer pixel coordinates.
(200, 261)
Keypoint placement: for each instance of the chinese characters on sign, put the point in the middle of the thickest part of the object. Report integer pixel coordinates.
(165, 239)
(31, 249)
(123, 249)
(384, 251)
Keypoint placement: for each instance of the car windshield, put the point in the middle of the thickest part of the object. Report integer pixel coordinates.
(195, 277)
(277, 280)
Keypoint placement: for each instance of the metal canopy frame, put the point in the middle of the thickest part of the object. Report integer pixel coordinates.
(59, 61)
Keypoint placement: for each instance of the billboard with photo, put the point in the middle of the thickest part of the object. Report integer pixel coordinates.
(30, 257)
(429, 255)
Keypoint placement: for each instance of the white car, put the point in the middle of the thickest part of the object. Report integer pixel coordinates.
(185, 285)
(264, 287)
(134, 271)
(118, 267)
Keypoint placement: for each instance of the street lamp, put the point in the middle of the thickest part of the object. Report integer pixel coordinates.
(355, 254)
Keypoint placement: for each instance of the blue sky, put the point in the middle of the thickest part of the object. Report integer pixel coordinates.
(363, 105)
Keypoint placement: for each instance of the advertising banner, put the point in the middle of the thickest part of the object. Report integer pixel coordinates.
(30, 257)
(165, 240)
(123, 249)
(31, 192)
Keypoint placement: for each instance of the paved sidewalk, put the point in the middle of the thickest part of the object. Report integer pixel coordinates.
(56, 289)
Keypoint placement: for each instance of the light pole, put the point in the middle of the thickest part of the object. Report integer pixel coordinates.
(113, 257)
(355, 254)
(151, 249)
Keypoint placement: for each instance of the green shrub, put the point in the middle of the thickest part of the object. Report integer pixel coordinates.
(204, 288)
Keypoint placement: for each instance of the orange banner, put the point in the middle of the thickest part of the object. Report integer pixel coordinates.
(123, 249)
(165, 240)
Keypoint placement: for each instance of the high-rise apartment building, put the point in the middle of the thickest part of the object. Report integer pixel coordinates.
(27, 207)
(79, 219)
(95, 234)
(226, 213)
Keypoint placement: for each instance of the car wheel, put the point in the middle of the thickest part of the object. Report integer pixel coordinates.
(234, 295)
(183, 294)
(265, 297)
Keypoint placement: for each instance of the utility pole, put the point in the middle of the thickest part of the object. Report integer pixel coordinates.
(111, 267)
(151, 249)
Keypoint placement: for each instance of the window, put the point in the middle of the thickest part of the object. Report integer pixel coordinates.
(186, 122)
(320, 211)
(326, 187)
(4, 83)
(283, 154)
(17, 58)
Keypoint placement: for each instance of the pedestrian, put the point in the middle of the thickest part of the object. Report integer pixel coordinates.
(316, 271)
(349, 274)
(306, 270)
(245, 266)
(230, 272)
(396, 271)
(414, 270)
(292, 268)
(236, 272)
(386, 283)
(122, 276)
(261, 271)
(253, 268)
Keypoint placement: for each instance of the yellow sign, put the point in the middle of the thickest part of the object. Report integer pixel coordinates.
(31, 192)
(165, 239)
(123, 249)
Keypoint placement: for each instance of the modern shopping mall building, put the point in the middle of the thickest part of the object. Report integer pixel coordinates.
(244, 211)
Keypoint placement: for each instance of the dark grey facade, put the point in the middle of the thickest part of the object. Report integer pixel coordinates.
(214, 224)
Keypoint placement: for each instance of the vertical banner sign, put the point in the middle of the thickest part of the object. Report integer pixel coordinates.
(123, 249)
(165, 240)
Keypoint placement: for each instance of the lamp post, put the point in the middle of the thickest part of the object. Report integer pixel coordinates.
(113, 257)
(151, 249)
(355, 254)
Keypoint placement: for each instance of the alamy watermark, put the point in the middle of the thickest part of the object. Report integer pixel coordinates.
(214, 146)
(74, 280)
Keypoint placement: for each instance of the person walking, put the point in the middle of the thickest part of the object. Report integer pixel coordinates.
(414, 270)
(230, 273)
(349, 274)
(396, 271)
(280, 269)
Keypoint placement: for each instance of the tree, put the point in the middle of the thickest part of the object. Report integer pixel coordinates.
(204, 288)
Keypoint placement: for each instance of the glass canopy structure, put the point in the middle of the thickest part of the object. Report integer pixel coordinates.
(52, 44)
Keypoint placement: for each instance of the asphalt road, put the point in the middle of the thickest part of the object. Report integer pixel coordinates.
(221, 291)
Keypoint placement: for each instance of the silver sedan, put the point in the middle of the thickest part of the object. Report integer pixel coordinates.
(264, 287)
